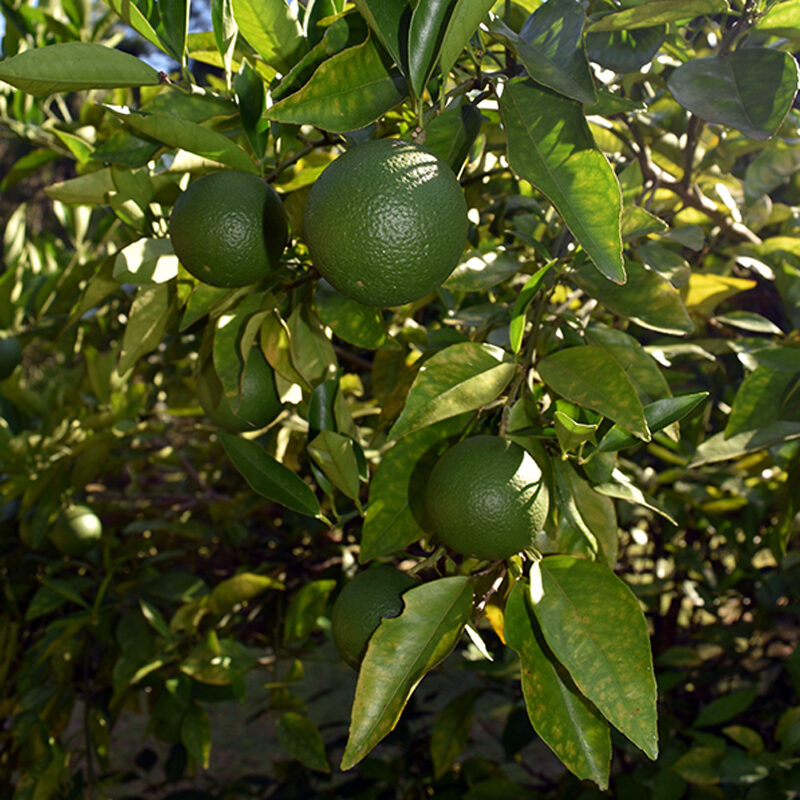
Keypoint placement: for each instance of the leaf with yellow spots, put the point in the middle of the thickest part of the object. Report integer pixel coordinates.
(570, 726)
(593, 624)
(703, 293)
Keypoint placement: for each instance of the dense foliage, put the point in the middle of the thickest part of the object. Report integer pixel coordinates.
(626, 310)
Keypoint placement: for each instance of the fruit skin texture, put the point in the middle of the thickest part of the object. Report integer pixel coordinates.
(76, 530)
(229, 228)
(372, 595)
(257, 404)
(10, 355)
(386, 222)
(486, 497)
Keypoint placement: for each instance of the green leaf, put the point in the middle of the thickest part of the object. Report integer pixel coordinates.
(305, 608)
(190, 136)
(425, 32)
(450, 732)
(141, 18)
(638, 222)
(196, 734)
(659, 414)
(479, 271)
(451, 134)
(625, 50)
(762, 398)
(771, 168)
(301, 739)
(640, 367)
(149, 317)
(550, 46)
(348, 91)
(271, 27)
(250, 93)
(749, 321)
(701, 766)
(516, 329)
(462, 377)
(146, 261)
(400, 653)
(269, 478)
(73, 66)
(622, 487)
(336, 457)
(568, 724)
(593, 624)
(646, 298)
(239, 589)
(725, 708)
(729, 89)
(390, 21)
(396, 510)
(173, 27)
(719, 448)
(550, 145)
(587, 521)
(783, 19)
(570, 432)
(657, 12)
(350, 320)
(311, 352)
(464, 21)
(588, 376)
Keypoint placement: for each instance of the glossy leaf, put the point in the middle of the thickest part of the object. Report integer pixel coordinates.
(719, 448)
(550, 46)
(621, 487)
(73, 66)
(173, 27)
(763, 397)
(590, 377)
(424, 36)
(336, 457)
(311, 352)
(269, 478)
(451, 134)
(568, 724)
(549, 145)
(519, 312)
(587, 521)
(782, 19)
(659, 414)
(348, 91)
(462, 377)
(705, 291)
(390, 22)
(176, 132)
(625, 50)
(271, 27)
(729, 89)
(395, 513)
(464, 21)
(400, 653)
(239, 589)
(593, 624)
(301, 739)
(657, 12)
(350, 320)
(646, 298)
(772, 167)
(250, 93)
(140, 18)
(148, 319)
(146, 261)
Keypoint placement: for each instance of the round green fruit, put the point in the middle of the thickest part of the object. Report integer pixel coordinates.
(76, 530)
(386, 222)
(257, 403)
(486, 497)
(372, 595)
(229, 229)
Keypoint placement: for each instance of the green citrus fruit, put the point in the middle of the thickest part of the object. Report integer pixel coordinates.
(10, 355)
(257, 403)
(486, 497)
(371, 596)
(76, 529)
(229, 228)
(386, 222)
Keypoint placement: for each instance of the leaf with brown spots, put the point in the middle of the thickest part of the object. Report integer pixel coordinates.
(570, 726)
(592, 622)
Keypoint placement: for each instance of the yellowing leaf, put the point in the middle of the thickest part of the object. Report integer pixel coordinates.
(703, 293)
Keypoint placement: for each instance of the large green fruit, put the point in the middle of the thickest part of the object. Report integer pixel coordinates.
(386, 222)
(257, 403)
(371, 596)
(486, 497)
(76, 530)
(229, 229)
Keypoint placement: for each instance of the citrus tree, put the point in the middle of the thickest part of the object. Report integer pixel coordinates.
(407, 329)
